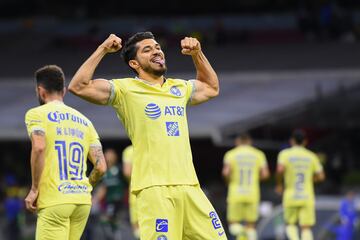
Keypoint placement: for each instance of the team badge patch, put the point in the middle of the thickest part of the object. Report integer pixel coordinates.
(162, 237)
(175, 91)
(172, 129)
(161, 226)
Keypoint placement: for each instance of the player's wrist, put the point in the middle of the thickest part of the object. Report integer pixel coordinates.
(34, 189)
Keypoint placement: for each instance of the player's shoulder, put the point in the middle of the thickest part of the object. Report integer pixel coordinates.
(76, 113)
(285, 152)
(35, 111)
(123, 82)
(177, 81)
(256, 150)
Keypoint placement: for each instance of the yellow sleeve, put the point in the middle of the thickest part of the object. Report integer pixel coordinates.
(127, 155)
(94, 137)
(227, 158)
(317, 165)
(117, 88)
(263, 162)
(282, 158)
(190, 89)
(34, 121)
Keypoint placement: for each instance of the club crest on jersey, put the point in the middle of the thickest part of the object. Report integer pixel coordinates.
(161, 225)
(175, 91)
(153, 111)
(162, 237)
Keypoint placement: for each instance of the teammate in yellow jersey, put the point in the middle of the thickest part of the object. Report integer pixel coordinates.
(127, 159)
(152, 108)
(62, 139)
(299, 168)
(244, 167)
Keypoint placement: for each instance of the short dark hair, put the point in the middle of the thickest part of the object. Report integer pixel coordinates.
(129, 50)
(298, 136)
(50, 77)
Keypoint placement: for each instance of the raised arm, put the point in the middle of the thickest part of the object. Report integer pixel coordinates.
(96, 91)
(206, 83)
(97, 158)
(38, 145)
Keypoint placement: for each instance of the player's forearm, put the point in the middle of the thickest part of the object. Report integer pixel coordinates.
(205, 73)
(37, 167)
(95, 176)
(85, 73)
(97, 157)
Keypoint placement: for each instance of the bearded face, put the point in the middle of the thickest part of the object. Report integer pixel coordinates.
(151, 58)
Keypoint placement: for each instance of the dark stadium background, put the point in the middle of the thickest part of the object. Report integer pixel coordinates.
(282, 64)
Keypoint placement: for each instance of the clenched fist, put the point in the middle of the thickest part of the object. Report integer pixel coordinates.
(190, 46)
(112, 44)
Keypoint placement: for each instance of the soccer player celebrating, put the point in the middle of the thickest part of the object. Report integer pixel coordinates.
(301, 168)
(244, 166)
(152, 108)
(127, 159)
(61, 139)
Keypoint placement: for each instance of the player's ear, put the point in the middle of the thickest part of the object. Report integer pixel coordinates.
(134, 64)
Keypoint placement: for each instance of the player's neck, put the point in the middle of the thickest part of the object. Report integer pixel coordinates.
(152, 79)
(53, 97)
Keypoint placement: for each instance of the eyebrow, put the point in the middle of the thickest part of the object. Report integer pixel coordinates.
(149, 46)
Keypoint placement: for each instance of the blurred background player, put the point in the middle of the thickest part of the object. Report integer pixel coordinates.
(62, 139)
(152, 109)
(127, 158)
(299, 168)
(111, 190)
(244, 167)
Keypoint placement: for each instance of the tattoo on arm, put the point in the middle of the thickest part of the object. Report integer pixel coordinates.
(97, 155)
(38, 132)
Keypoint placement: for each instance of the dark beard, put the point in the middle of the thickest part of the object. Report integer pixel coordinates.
(156, 72)
(41, 101)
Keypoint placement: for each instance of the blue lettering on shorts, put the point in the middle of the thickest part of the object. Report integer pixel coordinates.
(162, 237)
(215, 220)
(161, 226)
(172, 128)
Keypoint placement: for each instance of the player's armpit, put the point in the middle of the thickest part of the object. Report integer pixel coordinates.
(202, 92)
(97, 91)
(97, 158)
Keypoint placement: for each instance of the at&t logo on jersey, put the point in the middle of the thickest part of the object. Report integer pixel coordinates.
(161, 225)
(153, 111)
(175, 91)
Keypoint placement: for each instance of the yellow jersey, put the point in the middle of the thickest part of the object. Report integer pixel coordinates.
(68, 136)
(300, 166)
(245, 163)
(155, 120)
(127, 154)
